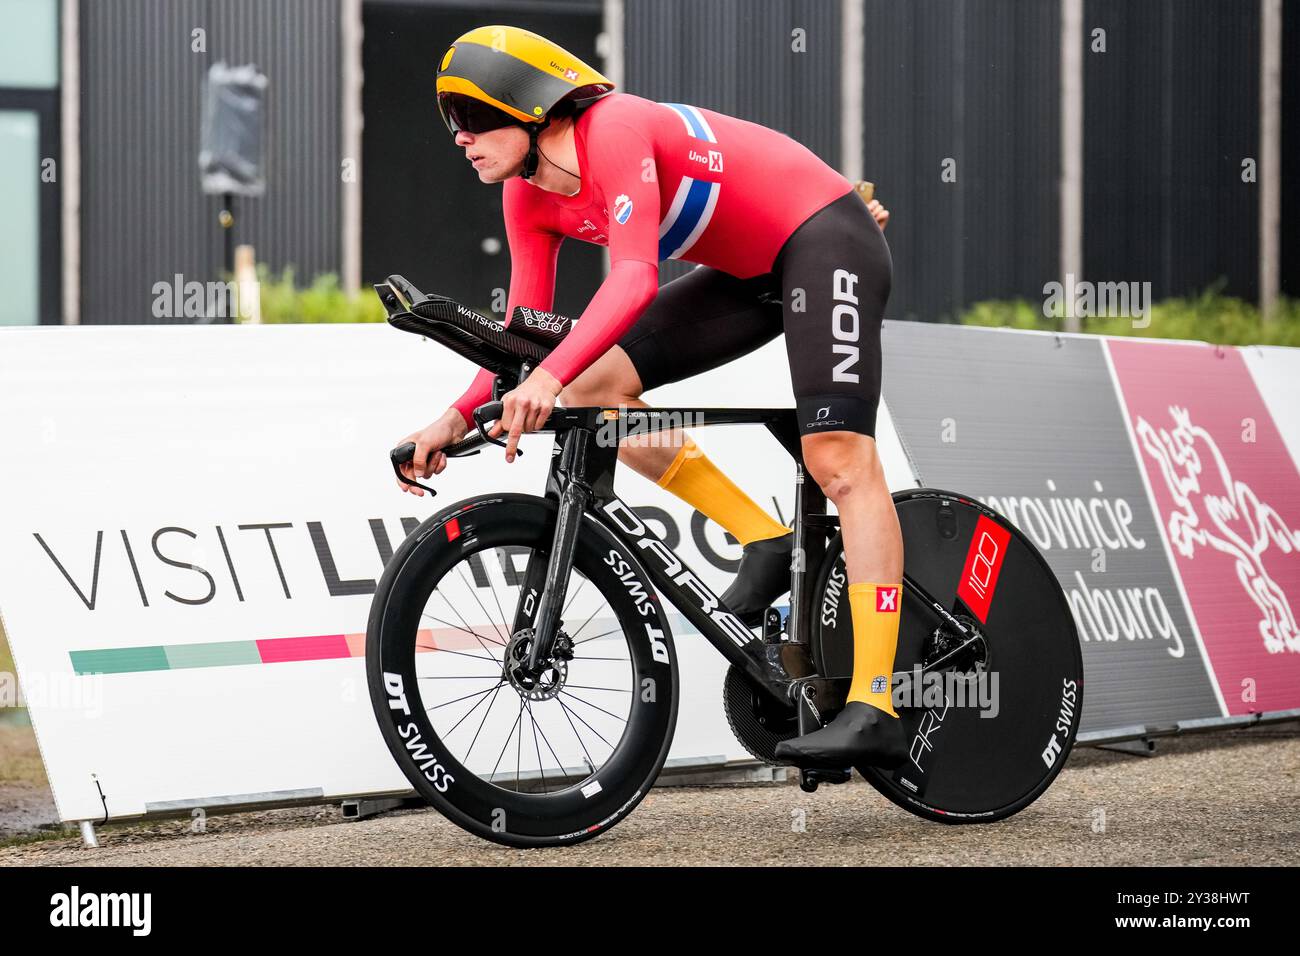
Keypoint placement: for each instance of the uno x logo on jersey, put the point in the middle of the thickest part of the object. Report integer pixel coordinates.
(887, 599)
(693, 204)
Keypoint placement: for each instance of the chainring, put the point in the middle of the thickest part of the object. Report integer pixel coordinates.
(758, 724)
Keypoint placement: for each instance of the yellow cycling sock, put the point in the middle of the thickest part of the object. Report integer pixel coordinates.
(698, 482)
(875, 609)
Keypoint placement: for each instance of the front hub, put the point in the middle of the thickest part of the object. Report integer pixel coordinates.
(547, 680)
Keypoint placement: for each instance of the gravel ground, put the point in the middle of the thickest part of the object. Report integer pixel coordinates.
(1222, 798)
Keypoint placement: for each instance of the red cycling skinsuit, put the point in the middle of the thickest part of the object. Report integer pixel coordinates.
(764, 217)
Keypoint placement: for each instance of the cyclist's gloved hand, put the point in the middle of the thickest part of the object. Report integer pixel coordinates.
(527, 408)
(429, 442)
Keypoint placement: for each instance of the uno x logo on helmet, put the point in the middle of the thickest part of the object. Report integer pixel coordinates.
(498, 75)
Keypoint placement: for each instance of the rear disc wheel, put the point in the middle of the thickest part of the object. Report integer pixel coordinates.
(1024, 670)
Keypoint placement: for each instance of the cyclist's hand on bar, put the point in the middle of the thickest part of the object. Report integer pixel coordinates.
(429, 442)
(527, 408)
(880, 213)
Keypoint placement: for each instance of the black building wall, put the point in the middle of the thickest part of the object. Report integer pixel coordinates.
(1171, 110)
(977, 84)
(143, 216)
(1290, 211)
(973, 82)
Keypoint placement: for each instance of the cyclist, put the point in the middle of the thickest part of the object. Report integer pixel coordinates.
(782, 244)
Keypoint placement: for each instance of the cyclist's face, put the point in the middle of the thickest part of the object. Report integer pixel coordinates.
(497, 154)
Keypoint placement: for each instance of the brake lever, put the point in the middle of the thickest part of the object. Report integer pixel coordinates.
(491, 412)
(401, 455)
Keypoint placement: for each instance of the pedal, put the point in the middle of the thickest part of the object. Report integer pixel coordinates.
(809, 779)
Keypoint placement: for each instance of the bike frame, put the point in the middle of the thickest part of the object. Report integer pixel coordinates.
(581, 482)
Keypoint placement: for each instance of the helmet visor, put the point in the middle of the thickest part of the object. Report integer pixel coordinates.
(461, 112)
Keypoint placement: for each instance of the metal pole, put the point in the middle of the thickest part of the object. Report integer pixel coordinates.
(852, 99)
(1071, 238)
(1269, 167)
(610, 47)
(227, 220)
(352, 36)
(70, 159)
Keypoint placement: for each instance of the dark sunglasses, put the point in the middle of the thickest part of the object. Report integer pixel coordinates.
(461, 112)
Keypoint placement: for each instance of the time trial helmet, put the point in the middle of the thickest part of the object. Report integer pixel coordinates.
(499, 76)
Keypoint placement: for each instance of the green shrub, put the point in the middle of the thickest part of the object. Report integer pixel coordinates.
(1209, 317)
(322, 301)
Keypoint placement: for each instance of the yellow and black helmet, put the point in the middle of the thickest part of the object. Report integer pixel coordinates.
(517, 72)
(499, 75)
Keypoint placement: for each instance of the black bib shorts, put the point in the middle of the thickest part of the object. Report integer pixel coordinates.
(827, 292)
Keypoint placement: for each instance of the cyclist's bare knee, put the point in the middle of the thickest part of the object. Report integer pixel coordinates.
(842, 462)
(610, 380)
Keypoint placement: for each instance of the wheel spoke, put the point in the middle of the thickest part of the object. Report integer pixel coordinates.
(481, 697)
(466, 697)
(537, 727)
(474, 592)
(465, 760)
(582, 581)
(573, 713)
(540, 769)
(477, 657)
(469, 629)
(593, 706)
(507, 743)
(458, 677)
(458, 628)
(587, 621)
(596, 637)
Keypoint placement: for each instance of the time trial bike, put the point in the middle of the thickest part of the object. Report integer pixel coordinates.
(522, 667)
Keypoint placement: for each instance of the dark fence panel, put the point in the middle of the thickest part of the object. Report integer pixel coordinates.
(969, 89)
(1171, 110)
(143, 216)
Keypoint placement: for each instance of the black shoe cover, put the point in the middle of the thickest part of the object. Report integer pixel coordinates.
(763, 577)
(859, 734)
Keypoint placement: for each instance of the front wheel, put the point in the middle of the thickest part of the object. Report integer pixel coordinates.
(989, 732)
(522, 755)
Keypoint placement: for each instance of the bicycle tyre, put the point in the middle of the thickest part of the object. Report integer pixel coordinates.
(586, 805)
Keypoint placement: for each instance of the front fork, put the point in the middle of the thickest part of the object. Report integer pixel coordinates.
(574, 497)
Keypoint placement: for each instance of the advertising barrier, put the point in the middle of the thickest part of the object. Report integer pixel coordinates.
(195, 517)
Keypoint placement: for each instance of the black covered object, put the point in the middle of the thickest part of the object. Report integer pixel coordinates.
(233, 138)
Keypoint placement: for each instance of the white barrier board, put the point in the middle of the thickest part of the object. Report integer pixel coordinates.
(200, 511)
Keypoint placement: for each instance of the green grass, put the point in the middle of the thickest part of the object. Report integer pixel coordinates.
(41, 836)
(1209, 317)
